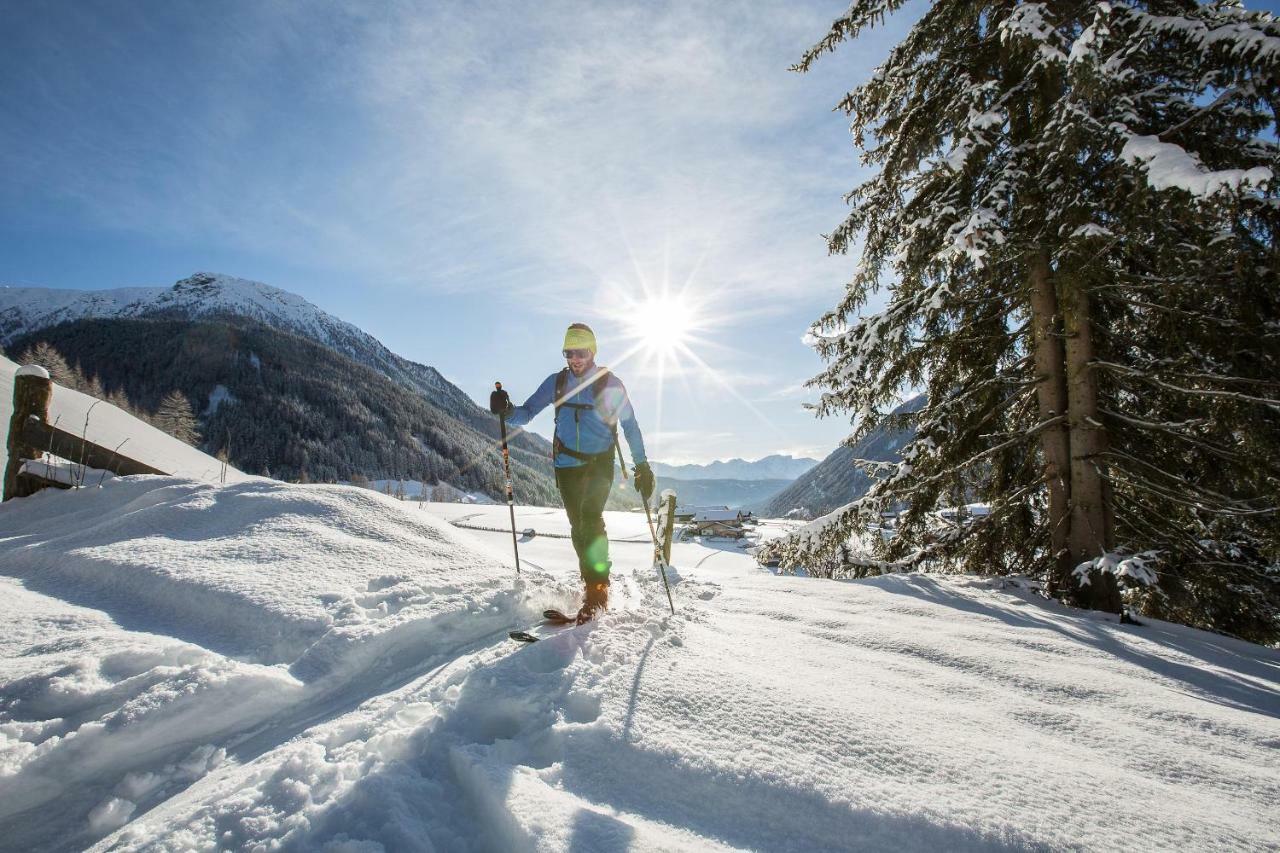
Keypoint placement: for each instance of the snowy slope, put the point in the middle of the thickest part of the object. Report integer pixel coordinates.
(194, 666)
(108, 426)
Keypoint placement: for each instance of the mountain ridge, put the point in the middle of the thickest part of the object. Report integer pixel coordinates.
(206, 295)
(776, 466)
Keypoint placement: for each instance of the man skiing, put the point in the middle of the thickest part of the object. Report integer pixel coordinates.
(590, 403)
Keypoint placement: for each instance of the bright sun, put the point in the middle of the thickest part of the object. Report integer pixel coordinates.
(661, 323)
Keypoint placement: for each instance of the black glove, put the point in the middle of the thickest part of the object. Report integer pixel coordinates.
(644, 480)
(500, 402)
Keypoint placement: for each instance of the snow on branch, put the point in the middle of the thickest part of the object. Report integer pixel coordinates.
(861, 15)
(1136, 568)
(1169, 166)
(1202, 392)
(973, 237)
(1028, 21)
(1239, 38)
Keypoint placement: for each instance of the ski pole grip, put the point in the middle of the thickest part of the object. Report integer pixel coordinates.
(499, 400)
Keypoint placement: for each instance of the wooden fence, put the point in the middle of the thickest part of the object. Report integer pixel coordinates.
(31, 436)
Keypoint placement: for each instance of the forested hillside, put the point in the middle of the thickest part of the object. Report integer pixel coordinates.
(284, 405)
(730, 493)
(838, 479)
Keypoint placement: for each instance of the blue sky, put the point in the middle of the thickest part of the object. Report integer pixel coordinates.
(460, 180)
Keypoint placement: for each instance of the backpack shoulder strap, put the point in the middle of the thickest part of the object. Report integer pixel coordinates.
(606, 379)
(609, 378)
(562, 379)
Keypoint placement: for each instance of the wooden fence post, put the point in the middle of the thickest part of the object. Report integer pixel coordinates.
(670, 525)
(32, 391)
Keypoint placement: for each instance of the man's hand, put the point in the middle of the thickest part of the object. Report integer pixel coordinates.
(500, 402)
(644, 480)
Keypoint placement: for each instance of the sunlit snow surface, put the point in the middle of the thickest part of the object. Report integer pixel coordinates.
(264, 666)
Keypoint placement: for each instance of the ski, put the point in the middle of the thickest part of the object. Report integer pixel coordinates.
(550, 616)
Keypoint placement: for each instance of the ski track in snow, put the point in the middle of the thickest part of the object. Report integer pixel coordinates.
(261, 666)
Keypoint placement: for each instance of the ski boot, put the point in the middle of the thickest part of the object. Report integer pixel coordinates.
(596, 601)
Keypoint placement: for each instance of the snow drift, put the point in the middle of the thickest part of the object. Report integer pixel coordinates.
(264, 666)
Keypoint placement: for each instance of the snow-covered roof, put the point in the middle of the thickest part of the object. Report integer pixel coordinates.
(716, 515)
(105, 425)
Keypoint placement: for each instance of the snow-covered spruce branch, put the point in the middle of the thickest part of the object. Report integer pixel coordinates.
(1142, 484)
(1226, 505)
(1007, 378)
(1195, 392)
(1200, 113)
(861, 15)
(1171, 310)
(1248, 37)
(991, 451)
(1174, 429)
(1170, 166)
(1167, 368)
(1139, 516)
(1015, 332)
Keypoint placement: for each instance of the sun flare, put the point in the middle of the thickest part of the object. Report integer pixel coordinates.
(662, 324)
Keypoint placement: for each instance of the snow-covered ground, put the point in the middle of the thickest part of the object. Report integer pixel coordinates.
(188, 665)
(416, 490)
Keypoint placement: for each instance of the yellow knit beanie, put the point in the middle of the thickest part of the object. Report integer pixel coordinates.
(580, 336)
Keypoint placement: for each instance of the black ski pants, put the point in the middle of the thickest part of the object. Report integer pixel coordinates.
(584, 489)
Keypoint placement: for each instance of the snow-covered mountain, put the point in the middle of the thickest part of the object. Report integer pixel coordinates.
(274, 378)
(208, 295)
(775, 467)
(24, 309)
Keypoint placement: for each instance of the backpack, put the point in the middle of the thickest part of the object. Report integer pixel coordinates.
(598, 386)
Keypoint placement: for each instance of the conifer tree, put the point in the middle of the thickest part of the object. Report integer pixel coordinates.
(1074, 213)
(92, 386)
(176, 417)
(44, 355)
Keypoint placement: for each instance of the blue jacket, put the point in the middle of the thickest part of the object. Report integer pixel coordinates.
(585, 430)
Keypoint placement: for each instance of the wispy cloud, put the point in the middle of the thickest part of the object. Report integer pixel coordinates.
(622, 145)
(551, 147)
(788, 392)
(559, 156)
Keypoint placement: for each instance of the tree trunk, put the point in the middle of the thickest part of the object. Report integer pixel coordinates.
(1051, 395)
(1089, 533)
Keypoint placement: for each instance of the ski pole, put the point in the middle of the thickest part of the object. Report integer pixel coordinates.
(657, 547)
(499, 401)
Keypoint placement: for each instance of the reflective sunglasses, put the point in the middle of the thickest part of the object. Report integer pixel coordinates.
(577, 353)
